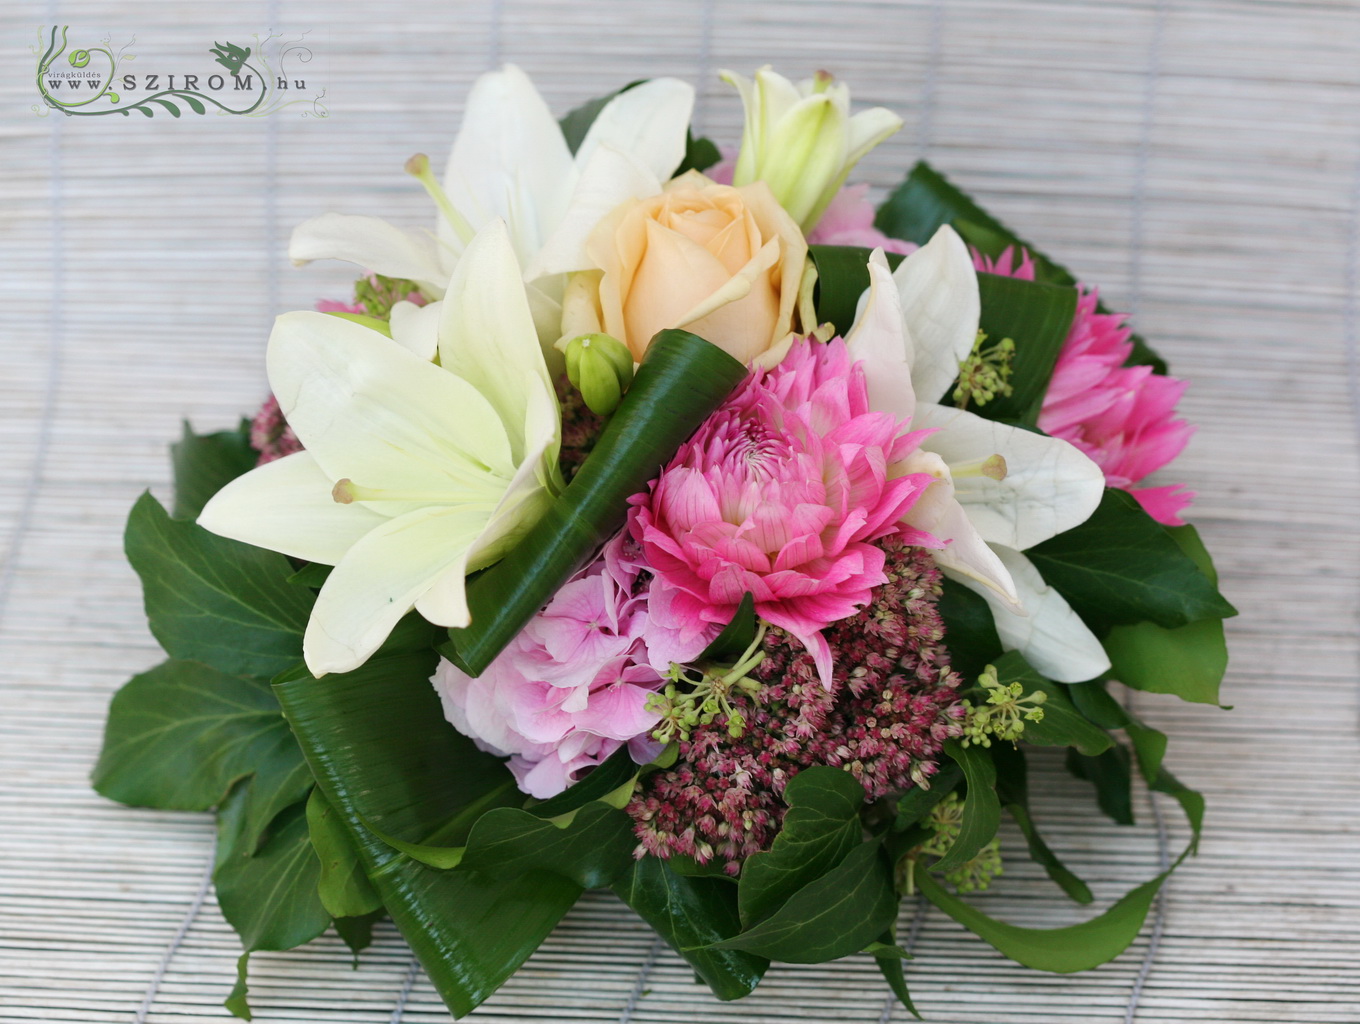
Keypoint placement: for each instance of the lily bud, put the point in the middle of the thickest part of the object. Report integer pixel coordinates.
(601, 368)
(801, 140)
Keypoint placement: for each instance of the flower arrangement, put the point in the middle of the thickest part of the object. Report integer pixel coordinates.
(710, 537)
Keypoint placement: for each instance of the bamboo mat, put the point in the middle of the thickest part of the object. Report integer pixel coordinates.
(1198, 159)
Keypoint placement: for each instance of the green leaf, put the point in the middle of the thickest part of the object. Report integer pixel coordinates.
(691, 914)
(981, 809)
(205, 463)
(1109, 773)
(1062, 725)
(681, 380)
(1077, 947)
(889, 957)
(1012, 786)
(215, 600)
(313, 575)
(593, 849)
(344, 889)
(377, 741)
(736, 636)
(1037, 318)
(969, 630)
(194, 104)
(926, 200)
(1188, 661)
(833, 916)
(820, 829)
(576, 122)
(174, 110)
(357, 932)
(1121, 567)
(700, 154)
(916, 802)
(179, 735)
(842, 276)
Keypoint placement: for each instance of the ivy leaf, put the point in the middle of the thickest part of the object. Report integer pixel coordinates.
(969, 629)
(593, 849)
(820, 829)
(1109, 773)
(692, 914)
(205, 463)
(1012, 786)
(833, 916)
(981, 809)
(1121, 567)
(343, 887)
(215, 600)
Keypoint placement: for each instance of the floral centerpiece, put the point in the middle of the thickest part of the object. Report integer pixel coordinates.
(680, 526)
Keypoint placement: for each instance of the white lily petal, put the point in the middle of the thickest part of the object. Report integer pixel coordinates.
(1049, 486)
(545, 306)
(376, 413)
(867, 129)
(382, 577)
(1051, 635)
(611, 177)
(510, 161)
(286, 506)
(878, 340)
(371, 243)
(416, 327)
(487, 335)
(649, 122)
(940, 305)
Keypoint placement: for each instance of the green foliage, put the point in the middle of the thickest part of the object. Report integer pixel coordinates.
(981, 810)
(1012, 786)
(681, 380)
(1037, 317)
(592, 849)
(842, 276)
(343, 887)
(205, 463)
(1062, 725)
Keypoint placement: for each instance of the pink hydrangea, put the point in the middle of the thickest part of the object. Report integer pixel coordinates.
(849, 220)
(572, 688)
(781, 493)
(1123, 417)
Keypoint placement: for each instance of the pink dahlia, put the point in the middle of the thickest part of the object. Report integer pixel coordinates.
(781, 493)
(573, 686)
(1123, 417)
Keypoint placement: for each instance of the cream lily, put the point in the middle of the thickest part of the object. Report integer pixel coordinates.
(414, 473)
(999, 489)
(801, 140)
(511, 161)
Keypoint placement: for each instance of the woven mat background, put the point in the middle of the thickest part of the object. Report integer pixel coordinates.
(1198, 159)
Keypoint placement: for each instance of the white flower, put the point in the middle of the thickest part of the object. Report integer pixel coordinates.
(801, 140)
(414, 473)
(511, 161)
(999, 489)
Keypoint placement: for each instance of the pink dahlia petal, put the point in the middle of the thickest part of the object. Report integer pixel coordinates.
(1164, 504)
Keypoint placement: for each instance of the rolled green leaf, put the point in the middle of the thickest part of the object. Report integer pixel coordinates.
(981, 809)
(682, 379)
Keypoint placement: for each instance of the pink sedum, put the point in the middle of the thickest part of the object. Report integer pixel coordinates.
(781, 493)
(572, 688)
(1123, 417)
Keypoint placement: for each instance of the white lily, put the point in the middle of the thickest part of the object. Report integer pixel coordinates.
(414, 473)
(801, 140)
(999, 489)
(511, 161)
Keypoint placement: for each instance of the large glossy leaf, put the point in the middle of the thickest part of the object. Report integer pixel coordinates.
(691, 914)
(592, 849)
(381, 751)
(181, 734)
(1012, 786)
(1078, 947)
(1037, 318)
(681, 380)
(833, 916)
(205, 463)
(981, 809)
(820, 829)
(1188, 661)
(1121, 566)
(842, 276)
(215, 600)
(926, 200)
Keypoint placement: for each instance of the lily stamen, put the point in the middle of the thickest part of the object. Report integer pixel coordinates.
(993, 467)
(418, 167)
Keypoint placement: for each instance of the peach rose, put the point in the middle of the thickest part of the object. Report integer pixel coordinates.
(723, 262)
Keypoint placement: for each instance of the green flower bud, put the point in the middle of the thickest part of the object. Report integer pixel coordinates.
(601, 368)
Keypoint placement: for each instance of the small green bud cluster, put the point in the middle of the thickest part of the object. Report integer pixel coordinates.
(985, 373)
(378, 294)
(706, 697)
(1004, 714)
(946, 822)
(601, 368)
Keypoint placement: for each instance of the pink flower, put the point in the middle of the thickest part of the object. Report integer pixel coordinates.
(781, 493)
(1123, 417)
(849, 220)
(573, 686)
(335, 306)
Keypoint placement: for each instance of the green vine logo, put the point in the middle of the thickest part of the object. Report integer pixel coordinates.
(96, 81)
